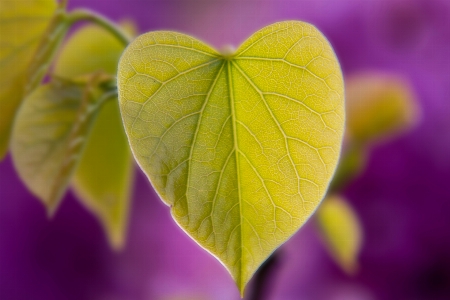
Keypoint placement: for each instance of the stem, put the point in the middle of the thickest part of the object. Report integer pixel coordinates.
(262, 277)
(88, 15)
(109, 95)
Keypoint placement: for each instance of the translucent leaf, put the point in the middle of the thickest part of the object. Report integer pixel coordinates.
(48, 137)
(241, 146)
(341, 231)
(22, 27)
(379, 105)
(103, 177)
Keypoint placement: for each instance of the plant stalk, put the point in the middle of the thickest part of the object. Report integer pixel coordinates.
(90, 16)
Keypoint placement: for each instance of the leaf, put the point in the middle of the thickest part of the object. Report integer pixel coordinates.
(48, 47)
(48, 137)
(379, 106)
(241, 146)
(22, 27)
(90, 49)
(104, 176)
(341, 232)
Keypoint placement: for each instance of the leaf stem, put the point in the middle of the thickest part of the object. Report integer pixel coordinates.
(88, 15)
(109, 95)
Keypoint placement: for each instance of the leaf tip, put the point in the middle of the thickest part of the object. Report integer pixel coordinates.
(50, 208)
(241, 291)
(116, 239)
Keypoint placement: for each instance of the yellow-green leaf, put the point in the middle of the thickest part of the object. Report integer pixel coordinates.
(104, 175)
(241, 146)
(48, 137)
(341, 232)
(22, 27)
(378, 106)
(88, 50)
(46, 50)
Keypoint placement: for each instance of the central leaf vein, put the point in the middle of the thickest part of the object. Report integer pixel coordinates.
(208, 96)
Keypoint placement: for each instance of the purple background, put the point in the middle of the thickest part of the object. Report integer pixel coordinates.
(402, 197)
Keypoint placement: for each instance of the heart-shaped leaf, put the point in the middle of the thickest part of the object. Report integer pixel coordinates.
(30, 33)
(49, 135)
(241, 146)
(104, 176)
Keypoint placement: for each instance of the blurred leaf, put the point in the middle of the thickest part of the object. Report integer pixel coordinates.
(103, 178)
(48, 137)
(48, 47)
(378, 105)
(88, 50)
(341, 231)
(241, 146)
(22, 26)
(351, 163)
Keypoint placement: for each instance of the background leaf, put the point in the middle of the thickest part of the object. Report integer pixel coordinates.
(379, 106)
(241, 147)
(104, 176)
(45, 52)
(22, 26)
(341, 232)
(48, 137)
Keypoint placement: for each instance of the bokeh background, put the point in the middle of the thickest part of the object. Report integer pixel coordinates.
(402, 197)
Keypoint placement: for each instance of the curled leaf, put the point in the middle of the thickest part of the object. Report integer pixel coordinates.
(241, 146)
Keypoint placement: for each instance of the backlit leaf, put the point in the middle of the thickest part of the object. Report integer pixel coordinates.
(48, 137)
(341, 232)
(241, 146)
(103, 177)
(23, 24)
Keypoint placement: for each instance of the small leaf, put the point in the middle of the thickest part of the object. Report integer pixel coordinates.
(241, 146)
(23, 25)
(48, 137)
(379, 106)
(104, 176)
(341, 232)
(90, 49)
